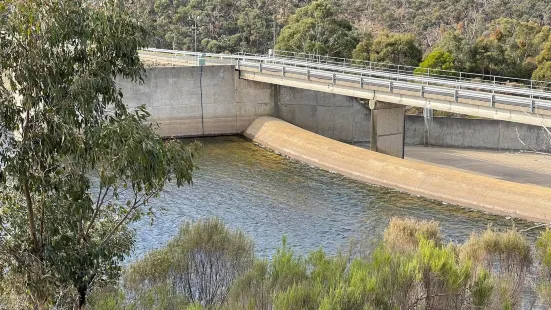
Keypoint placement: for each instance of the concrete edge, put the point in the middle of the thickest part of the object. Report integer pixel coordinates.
(455, 187)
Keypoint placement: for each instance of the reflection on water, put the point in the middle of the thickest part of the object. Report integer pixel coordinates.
(268, 196)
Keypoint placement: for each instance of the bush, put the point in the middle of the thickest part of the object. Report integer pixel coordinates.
(405, 234)
(543, 251)
(198, 266)
(507, 257)
(208, 266)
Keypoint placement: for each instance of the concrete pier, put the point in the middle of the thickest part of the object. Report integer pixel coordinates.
(387, 128)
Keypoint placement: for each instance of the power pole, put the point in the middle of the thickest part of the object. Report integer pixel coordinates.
(195, 50)
(275, 25)
(195, 18)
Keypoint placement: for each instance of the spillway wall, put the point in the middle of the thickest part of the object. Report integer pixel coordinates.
(460, 188)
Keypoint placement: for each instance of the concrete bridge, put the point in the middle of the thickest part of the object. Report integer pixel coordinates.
(254, 86)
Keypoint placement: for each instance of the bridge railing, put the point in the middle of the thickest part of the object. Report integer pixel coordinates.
(352, 72)
(418, 71)
(494, 87)
(361, 81)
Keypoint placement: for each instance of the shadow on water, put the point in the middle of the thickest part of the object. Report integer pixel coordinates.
(268, 196)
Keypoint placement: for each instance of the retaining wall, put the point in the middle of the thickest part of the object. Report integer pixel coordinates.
(475, 191)
(199, 101)
(334, 116)
(475, 133)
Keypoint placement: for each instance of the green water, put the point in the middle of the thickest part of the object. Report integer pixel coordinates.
(268, 196)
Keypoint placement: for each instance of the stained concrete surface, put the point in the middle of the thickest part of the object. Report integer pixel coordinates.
(514, 166)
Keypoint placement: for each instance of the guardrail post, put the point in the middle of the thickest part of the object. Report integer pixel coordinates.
(361, 82)
(237, 65)
(308, 74)
(334, 78)
(532, 106)
(456, 95)
(260, 67)
(492, 101)
(422, 91)
(283, 70)
(391, 86)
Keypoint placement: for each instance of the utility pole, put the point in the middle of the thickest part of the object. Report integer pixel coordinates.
(275, 30)
(195, 18)
(195, 49)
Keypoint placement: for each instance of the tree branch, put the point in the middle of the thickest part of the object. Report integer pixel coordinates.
(99, 204)
(26, 190)
(137, 203)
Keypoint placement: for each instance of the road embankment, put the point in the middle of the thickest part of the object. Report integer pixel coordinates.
(455, 187)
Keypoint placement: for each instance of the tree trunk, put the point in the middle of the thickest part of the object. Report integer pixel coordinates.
(81, 297)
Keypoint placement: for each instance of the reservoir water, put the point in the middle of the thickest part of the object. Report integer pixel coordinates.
(269, 196)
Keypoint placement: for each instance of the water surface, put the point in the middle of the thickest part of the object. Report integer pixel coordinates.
(268, 196)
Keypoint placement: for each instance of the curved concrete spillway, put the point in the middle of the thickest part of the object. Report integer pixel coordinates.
(469, 190)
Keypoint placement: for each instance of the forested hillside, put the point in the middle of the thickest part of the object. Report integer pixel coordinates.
(503, 37)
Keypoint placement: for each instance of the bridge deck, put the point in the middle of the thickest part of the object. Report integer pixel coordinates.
(502, 100)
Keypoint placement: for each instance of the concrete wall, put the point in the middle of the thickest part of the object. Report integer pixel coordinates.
(197, 101)
(334, 116)
(475, 133)
(212, 100)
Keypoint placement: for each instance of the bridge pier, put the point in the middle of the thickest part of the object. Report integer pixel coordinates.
(387, 128)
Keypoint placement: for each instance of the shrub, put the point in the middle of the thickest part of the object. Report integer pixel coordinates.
(437, 62)
(253, 291)
(403, 234)
(507, 257)
(543, 251)
(198, 266)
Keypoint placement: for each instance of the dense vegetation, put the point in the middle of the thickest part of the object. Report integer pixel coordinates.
(77, 166)
(209, 267)
(501, 37)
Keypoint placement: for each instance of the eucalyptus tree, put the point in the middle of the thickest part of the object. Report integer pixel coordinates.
(396, 48)
(77, 165)
(319, 29)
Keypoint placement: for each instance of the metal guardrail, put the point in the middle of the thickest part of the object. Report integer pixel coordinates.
(531, 98)
(411, 70)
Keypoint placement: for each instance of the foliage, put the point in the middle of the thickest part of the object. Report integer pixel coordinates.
(198, 266)
(543, 251)
(363, 49)
(507, 257)
(222, 25)
(412, 268)
(396, 48)
(318, 29)
(484, 37)
(440, 63)
(543, 61)
(404, 234)
(77, 165)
